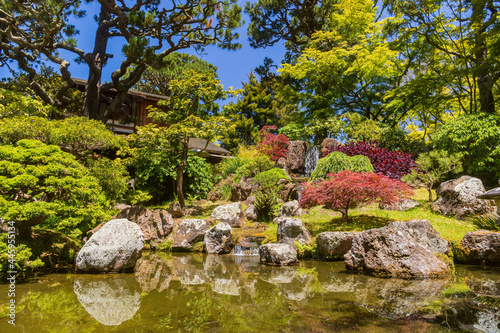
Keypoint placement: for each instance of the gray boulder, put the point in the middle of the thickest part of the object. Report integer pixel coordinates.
(155, 224)
(290, 208)
(232, 214)
(459, 197)
(218, 239)
(290, 230)
(400, 249)
(114, 248)
(334, 245)
(480, 247)
(278, 254)
(403, 205)
(297, 157)
(188, 233)
(422, 232)
(251, 213)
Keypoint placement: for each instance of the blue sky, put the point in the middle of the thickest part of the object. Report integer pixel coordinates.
(233, 65)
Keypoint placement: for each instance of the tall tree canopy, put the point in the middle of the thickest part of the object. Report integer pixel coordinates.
(34, 31)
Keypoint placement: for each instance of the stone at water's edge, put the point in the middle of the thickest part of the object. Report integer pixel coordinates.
(188, 233)
(290, 230)
(218, 239)
(334, 245)
(278, 254)
(155, 224)
(114, 248)
(232, 214)
(400, 249)
(297, 157)
(479, 247)
(459, 197)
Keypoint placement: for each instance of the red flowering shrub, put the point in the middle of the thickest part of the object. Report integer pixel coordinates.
(349, 189)
(393, 164)
(273, 145)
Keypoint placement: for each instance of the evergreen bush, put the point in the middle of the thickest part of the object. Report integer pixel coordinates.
(336, 162)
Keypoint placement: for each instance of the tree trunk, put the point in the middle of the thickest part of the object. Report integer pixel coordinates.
(345, 217)
(484, 80)
(429, 189)
(180, 172)
(93, 87)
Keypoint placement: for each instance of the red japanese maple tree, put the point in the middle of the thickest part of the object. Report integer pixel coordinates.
(273, 145)
(350, 189)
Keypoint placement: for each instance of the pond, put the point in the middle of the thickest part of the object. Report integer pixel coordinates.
(226, 293)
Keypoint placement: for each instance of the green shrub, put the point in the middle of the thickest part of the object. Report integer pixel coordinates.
(267, 203)
(361, 163)
(271, 177)
(256, 165)
(138, 197)
(23, 257)
(486, 222)
(42, 185)
(231, 165)
(336, 162)
(111, 174)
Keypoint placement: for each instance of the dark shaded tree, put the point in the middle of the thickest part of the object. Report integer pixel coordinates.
(33, 31)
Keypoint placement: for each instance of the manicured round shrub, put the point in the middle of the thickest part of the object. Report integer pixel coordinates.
(336, 162)
(271, 177)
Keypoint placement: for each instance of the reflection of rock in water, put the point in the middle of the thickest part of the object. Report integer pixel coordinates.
(189, 269)
(293, 283)
(488, 321)
(152, 272)
(226, 287)
(220, 266)
(110, 300)
(278, 274)
(397, 298)
(248, 264)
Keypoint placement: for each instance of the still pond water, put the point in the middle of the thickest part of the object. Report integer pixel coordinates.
(209, 293)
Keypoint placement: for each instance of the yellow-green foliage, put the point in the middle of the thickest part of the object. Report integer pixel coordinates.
(40, 183)
(337, 162)
(13, 104)
(257, 164)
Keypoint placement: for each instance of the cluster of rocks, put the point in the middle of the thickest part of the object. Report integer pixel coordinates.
(400, 249)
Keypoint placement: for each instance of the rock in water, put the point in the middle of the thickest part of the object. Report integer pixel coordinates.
(334, 245)
(232, 214)
(114, 248)
(459, 197)
(480, 247)
(399, 249)
(189, 232)
(156, 224)
(218, 239)
(278, 254)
